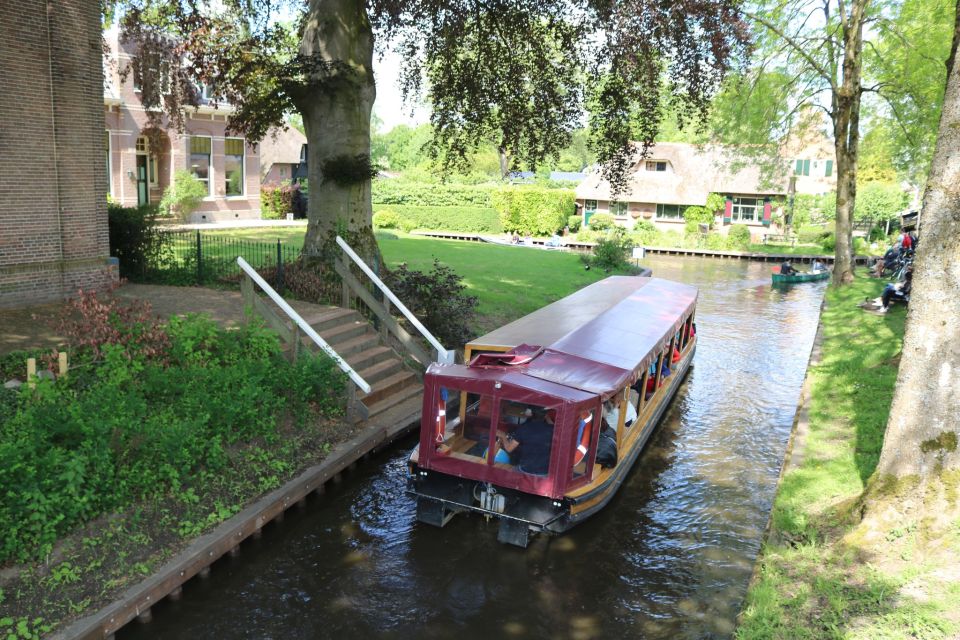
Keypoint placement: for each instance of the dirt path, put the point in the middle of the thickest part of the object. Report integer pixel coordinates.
(32, 327)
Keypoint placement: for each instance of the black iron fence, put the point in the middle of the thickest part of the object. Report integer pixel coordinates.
(194, 258)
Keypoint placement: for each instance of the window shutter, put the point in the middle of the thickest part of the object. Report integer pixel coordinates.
(806, 167)
(798, 168)
(829, 170)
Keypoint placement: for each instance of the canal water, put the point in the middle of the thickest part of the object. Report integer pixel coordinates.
(670, 556)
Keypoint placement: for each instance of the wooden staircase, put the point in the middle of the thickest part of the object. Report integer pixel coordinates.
(396, 390)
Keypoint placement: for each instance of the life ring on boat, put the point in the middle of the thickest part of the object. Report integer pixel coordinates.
(441, 421)
(586, 429)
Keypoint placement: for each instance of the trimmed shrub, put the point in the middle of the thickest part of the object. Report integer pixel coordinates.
(814, 234)
(183, 196)
(465, 219)
(601, 222)
(532, 210)
(613, 250)
(829, 243)
(386, 219)
(278, 200)
(405, 192)
(573, 223)
(695, 216)
(739, 235)
(134, 237)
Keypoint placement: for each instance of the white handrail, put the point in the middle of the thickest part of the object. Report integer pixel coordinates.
(306, 328)
(443, 355)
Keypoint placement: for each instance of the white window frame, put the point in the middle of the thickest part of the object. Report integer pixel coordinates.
(587, 207)
(739, 209)
(153, 172)
(619, 209)
(243, 168)
(661, 211)
(656, 165)
(210, 171)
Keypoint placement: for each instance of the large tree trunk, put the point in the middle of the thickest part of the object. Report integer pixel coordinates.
(336, 110)
(845, 111)
(922, 431)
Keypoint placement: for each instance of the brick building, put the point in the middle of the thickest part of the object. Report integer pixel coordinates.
(227, 164)
(53, 180)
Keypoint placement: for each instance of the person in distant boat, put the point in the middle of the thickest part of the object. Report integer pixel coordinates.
(817, 266)
(611, 413)
(530, 443)
(786, 269)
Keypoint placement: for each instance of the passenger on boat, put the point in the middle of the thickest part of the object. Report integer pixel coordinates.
(611, 413)
(786, 269)
(531, 442)
(817, 266)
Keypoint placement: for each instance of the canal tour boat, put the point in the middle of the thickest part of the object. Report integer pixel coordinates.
(541, 426)
(779, 278)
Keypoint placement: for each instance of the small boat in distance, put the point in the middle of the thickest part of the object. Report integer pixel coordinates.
(543, 424)
(779, 278)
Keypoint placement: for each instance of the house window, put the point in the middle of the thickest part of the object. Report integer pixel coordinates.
(233, 165)
(590, 206)
(828, 171)
(618, 209)
(152, 70)
(747, 209)
(200, 147)
(801, 167)
(670, 211)
(656, 165)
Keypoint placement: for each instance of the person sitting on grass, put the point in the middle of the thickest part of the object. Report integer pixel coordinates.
(899, 292)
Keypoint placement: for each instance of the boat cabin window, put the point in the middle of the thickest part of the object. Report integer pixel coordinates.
(478, 410)
(526, 437)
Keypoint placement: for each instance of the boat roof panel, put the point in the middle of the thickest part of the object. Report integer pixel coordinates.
(550, 323)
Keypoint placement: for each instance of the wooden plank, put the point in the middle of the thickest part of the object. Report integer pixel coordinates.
(272, 319)
(407, 340)
(246, 291)
(208, 548)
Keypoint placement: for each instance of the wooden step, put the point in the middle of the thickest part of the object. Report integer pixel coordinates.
(344, 332)
(390, 385)
(369, 357)
(355, 345)
(380, 370)
(401, 417)
(328, 319)
(412, 394)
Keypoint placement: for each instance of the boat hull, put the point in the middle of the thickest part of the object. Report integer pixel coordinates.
(800, 277)
(441, 496)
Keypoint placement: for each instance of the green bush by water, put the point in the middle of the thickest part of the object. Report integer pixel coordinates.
(135, 422)
(452, 218)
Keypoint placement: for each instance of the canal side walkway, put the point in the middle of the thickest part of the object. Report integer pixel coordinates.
(823, 571)
(31, 327)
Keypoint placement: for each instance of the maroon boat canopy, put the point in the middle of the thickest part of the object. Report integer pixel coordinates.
(627, 322)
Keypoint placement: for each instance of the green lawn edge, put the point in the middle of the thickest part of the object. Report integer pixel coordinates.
(812, 578)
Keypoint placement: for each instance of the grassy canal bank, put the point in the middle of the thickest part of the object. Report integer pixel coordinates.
(817, 577)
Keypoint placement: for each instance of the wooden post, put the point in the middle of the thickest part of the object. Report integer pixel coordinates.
(64, 367)
(384, 330)
(32, 373)
(351, 399)
(246, 290)
(296, 341)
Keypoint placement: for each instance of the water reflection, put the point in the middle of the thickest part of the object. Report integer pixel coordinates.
(668, 558)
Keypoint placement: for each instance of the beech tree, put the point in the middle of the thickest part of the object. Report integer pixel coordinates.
(921, 439)
(516, 71)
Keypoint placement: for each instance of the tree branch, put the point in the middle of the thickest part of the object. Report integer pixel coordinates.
(795, 46)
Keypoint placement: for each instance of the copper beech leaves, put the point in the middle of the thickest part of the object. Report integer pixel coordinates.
(518, 73)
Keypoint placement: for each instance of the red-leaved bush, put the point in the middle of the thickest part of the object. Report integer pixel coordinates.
(89, 322)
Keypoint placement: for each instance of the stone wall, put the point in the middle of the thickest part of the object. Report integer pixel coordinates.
(53, 182)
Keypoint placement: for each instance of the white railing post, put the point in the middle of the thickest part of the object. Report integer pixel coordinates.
(302, 324)
(444, 356)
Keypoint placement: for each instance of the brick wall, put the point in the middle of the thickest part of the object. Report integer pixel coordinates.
(53, 219)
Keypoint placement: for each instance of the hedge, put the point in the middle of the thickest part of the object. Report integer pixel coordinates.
(533, 211)
(397, 192)
(465, 219)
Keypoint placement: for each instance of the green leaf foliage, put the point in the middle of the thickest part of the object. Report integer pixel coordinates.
(879, 201)
(601, 222)
(452, 218)
(134, 237)
(128, 426)
(183, 196)
(533, 211)
(739, 235)
(429, 194)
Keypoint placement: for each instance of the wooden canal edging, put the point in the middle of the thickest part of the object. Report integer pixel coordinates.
(583, 247)
(136, 602)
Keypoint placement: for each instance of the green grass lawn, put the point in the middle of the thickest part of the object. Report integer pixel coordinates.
(509, 281)
(819, 576)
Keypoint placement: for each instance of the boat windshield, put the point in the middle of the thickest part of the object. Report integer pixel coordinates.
(518, 437)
